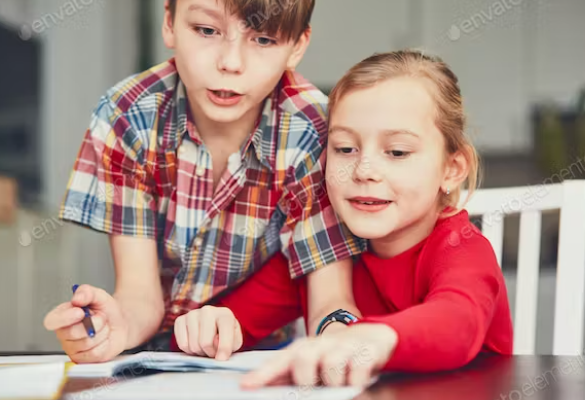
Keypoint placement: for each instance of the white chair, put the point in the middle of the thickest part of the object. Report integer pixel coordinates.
(530, 201)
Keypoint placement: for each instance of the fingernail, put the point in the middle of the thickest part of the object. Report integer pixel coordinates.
(245, 382)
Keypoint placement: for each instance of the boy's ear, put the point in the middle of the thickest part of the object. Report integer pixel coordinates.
(299, 49)
(168, 32)
(456, 171)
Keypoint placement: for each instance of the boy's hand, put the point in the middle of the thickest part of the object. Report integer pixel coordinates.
(209, 331)
(111, 330)
(348, 357)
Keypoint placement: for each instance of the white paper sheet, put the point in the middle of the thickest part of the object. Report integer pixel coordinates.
(57, 358)
(40, 381)
(209, 386)
(171, 361)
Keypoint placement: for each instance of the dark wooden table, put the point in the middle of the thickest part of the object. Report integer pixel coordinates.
(486, 378)
(502, 378)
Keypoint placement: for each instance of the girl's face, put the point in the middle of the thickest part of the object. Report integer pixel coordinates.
(386, 162)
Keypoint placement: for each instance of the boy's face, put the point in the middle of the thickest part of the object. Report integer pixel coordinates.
(228, 70)
(386, 160)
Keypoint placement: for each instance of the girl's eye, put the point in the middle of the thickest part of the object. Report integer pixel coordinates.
(345, 150)
(399, 153)
(205, 31)
(265, 41)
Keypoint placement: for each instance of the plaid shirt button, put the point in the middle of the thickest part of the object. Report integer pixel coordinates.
(198, 242)
(233, 159)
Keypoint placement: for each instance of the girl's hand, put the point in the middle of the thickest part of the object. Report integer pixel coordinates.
(209, 332)
(348, 357)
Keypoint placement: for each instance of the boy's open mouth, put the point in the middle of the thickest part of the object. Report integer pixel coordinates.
(224, 97)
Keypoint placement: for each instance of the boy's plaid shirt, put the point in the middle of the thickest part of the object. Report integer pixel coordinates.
(143, 171)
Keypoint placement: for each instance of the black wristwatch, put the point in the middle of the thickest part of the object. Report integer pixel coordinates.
(343, 316)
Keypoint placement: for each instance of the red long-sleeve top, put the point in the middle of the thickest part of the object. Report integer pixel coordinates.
(445, 297)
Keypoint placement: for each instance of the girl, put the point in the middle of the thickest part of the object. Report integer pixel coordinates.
(430, 291)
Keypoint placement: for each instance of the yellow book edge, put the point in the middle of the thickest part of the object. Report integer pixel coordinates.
(58, 394)
(64, 380)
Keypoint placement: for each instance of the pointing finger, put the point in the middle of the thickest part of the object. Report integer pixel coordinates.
(276, 369)
(225, 329)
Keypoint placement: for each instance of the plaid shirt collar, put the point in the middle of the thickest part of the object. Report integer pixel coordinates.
(261, 140)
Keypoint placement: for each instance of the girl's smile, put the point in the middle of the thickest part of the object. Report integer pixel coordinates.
(369, 204)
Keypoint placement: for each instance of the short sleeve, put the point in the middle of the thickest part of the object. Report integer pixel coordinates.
(313, 235)
(109, 189)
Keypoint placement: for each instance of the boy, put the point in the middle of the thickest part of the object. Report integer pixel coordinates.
(213, 162)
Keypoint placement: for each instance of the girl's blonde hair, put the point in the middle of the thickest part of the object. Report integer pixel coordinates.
(450, 118)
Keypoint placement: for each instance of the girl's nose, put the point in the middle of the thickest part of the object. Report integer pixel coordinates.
(366, 170)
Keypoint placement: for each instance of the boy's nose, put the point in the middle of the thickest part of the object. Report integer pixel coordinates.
(231, 59)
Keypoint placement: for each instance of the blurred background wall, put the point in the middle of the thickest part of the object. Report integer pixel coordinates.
(520, 63)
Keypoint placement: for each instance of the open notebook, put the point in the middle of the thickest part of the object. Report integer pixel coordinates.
(215, 385)
(134, 364)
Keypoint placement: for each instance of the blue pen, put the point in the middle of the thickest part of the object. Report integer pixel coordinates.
(87, 322)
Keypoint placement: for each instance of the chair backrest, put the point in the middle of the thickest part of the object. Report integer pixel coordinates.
(492, 205)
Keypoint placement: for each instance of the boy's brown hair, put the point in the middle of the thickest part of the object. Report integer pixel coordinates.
(286, 18)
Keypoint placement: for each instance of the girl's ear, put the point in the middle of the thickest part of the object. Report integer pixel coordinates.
(456, 171)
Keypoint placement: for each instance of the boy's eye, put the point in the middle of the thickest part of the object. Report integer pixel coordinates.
(345, 150)
(265, 41)
(205, 31)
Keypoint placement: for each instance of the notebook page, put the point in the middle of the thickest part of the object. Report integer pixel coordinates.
(40, 381)
(172, 361)
(209, 386)
(243, 361)
(103, 369)
(9, 360)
